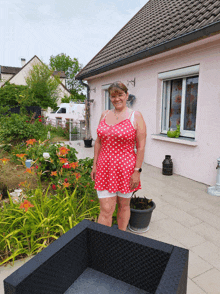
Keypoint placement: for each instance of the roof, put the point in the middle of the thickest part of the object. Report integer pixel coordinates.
(10, 70)
(159, 26)
(55, 73)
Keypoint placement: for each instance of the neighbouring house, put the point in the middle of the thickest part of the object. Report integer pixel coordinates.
(168, 55)
(18, 75)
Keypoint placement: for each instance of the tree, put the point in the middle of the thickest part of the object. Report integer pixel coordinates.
(71, 67)
(43, 86)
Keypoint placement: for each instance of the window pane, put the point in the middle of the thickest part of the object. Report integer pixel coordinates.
(191, 103)
(165, 104)
(111, 105)
(175, 103)
(108, 104)
(106, 100)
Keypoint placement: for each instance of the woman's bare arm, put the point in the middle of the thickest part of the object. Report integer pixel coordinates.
(140, 145)
(140, 139)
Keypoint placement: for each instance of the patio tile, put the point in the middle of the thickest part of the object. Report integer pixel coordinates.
(157, 215)
(181, 216)
(170, 240)
(176, 201)
(206, 216)
(207, 203)
(197, 265)
(216, 210)
(184, 235)
(208, 252)
(192, 288)
(208, 232)
(185, 182)
(154, 232)
(209, 281)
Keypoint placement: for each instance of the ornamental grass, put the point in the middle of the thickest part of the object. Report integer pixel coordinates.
(27, 228)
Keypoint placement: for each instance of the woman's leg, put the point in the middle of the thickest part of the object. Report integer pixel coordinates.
(107, 207)
(124, 213)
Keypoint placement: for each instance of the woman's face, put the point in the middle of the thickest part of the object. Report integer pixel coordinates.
(118, 99)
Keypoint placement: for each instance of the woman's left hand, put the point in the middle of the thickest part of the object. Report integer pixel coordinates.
(134, 180)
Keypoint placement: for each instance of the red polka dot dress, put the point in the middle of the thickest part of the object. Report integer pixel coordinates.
(117, 158)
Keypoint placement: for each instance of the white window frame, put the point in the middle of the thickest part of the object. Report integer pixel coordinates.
(182, 73)
(106, 96)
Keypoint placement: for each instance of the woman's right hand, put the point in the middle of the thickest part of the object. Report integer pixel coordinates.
(93, 173)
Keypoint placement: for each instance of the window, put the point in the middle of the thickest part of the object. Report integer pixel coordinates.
(179, 101)
(108, 104)
(62, 110)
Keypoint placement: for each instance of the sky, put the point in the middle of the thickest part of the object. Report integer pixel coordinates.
(78, 28)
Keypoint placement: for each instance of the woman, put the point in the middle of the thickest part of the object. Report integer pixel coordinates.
(116, 168)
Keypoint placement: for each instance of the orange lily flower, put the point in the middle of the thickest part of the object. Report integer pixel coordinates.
(4, 160)
(30, 142)
(29, 170)
(26, 204)
(77, 175)
(21, 155)
(53, 173)
(63, 160)
(73, 164)
(63, 151)
(66, 185)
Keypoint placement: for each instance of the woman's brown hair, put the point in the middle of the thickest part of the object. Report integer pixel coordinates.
(117, 86)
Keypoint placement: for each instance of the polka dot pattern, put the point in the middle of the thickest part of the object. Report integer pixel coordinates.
(117, 158)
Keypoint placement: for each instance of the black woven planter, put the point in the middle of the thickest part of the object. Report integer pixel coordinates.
(88, 143)
(124, 263)
(140, 219)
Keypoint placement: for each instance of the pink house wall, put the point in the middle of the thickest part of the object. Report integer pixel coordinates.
(195, 162)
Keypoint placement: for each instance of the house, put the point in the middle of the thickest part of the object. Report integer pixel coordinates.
(18, 75)
(168, 55)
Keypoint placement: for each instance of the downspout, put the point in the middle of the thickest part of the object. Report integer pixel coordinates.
(87, 108)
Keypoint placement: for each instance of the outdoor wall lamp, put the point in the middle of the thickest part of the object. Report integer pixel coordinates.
(94, 90)
(131, 82)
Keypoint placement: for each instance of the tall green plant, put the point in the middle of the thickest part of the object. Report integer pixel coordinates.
(43, 86)
(29, 227)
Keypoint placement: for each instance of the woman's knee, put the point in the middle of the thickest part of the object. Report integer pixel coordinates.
(123, 203)
(107, 206)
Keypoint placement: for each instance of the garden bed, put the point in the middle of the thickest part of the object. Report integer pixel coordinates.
(90, 250)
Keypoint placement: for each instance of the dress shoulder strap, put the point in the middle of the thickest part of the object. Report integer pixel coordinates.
(105, 114)
(132, 118)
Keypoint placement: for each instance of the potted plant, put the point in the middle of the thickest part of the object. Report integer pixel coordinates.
(174, 133)
(88, 139)
(141, 211)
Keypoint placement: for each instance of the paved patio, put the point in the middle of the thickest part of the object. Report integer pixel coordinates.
(185, 216)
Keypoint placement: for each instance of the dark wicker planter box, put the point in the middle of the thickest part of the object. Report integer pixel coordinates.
(141, 264)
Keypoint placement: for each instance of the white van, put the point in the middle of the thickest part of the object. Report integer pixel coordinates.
(67, 111)
(71, 108)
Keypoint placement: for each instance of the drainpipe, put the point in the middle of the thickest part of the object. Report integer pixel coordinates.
(87, 106)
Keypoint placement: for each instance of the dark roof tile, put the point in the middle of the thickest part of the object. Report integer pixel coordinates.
(10, 70)
(156, 23)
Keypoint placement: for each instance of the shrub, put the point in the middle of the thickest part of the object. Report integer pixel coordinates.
(16, 128)
(61, 168)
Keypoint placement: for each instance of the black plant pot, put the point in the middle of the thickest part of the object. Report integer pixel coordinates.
(140, 219)
(88, 143)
